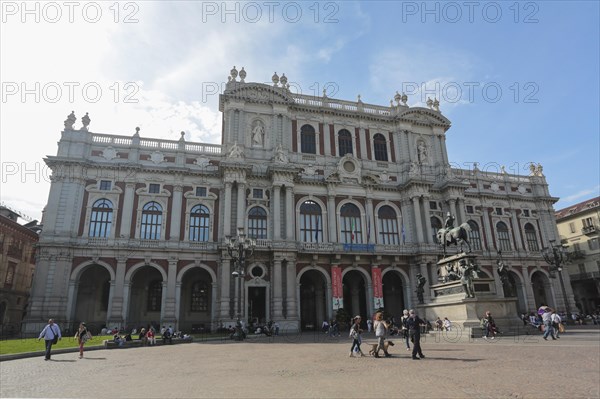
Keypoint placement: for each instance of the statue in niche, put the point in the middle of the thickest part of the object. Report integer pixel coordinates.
(422, 152)
(258, 134)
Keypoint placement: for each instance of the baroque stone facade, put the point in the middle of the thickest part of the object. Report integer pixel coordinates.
(135, 228)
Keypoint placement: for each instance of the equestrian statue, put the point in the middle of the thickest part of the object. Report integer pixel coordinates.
(454, 235)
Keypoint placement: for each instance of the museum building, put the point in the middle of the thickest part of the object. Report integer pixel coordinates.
(342, 199)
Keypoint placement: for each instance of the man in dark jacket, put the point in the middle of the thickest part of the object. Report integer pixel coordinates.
(413, 324)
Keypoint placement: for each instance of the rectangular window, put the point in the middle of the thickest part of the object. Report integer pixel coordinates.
(576, 246)
(470, 209)
(593, 244)
(200, 191)
(587, 222)
(10, 274)
(498, 211)
(154, 188)
(581, 268)
(105, 185)
(526, 213)
(432, 205)
(572, 227)
(257, 193)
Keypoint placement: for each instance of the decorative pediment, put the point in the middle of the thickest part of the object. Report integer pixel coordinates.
(257, 92)
(424, 116)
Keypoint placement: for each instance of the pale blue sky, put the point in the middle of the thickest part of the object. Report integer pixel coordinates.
(543, 56)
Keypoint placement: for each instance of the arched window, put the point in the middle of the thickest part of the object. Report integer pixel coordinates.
(380, 146)
(257, 223)
(311, 222)
(154, 296)
(436, 224)
(388, 226)
(308, 140)
(531, 238)
(151, 221)
(101, 218)
(344, 142)
(199, 300)
(474, 236)
(199, 223)
(503, 237)
(351, 230)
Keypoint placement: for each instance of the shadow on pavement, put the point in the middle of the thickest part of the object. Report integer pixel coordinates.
(69, 361)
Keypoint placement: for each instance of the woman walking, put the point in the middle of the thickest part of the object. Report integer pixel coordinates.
(355, 332)
(82, 335)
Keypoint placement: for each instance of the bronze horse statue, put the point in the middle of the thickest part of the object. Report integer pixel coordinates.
(456, 236)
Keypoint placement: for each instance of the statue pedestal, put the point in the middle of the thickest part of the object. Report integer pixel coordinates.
(449, 300)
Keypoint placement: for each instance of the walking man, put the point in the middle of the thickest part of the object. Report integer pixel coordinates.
(51, 335)
(414, 330)
(547, 319)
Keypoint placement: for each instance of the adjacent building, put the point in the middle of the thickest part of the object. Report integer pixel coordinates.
(578, 226)
(17, 267)
(343, 198)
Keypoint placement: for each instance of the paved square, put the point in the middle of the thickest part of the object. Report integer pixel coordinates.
(315, 366)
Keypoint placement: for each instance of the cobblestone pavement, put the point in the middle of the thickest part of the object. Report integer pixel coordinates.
(313, 365)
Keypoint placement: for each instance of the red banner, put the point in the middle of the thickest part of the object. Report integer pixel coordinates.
(336, 287)
(377, 287)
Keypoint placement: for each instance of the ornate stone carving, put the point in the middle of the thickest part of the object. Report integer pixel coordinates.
(109, 153)
(86, 122)
(157, 157)
(70, 121)
(202, 161)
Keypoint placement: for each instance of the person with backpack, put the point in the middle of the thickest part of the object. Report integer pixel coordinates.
(355, 332)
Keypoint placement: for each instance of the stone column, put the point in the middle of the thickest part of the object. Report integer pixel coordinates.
(116, 313)
(428, 220)
(487, 229)
(227, 210)
(460, 205)
(370, 221)
(170, 299)
(411, 147)
(277, 212)
(127, 209)
(176, 212)
(516, 229)
(417, 214)
(331, 219)
(290, 213)
(292, 310)
(241, 205)
(277, 290)
(452, 210)
(529, 297)
(225, 292)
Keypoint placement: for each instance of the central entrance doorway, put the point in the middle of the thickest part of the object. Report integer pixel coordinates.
(257, 304)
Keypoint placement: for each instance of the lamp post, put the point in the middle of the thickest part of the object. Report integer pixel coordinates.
(239, 248)
(556, 257)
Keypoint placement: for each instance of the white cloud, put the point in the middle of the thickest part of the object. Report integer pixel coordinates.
(577, 197)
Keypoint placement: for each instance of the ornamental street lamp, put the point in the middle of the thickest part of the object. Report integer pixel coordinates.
(239, 248)
(556, 257)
